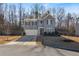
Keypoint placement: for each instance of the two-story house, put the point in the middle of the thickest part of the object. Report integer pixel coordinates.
(44, 24)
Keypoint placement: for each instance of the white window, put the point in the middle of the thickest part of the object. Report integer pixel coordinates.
(41, 22)
(35, 23)
(26, 23)
(51, 21)
(47, 21)
(32, 23)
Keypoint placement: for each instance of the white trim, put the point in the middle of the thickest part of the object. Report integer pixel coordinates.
(45, 17)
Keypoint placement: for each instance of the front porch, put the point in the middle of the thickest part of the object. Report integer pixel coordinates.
(47, 31)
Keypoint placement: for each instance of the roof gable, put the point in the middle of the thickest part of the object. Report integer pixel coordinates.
(49, 16)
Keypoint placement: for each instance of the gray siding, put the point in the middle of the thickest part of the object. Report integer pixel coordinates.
(49, 27)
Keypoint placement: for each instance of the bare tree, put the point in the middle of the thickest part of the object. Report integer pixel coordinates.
(20, 14)
(21, 17)
(68, 20)
(1, 18)
(1, 13)
(60, 16)
(38, 10)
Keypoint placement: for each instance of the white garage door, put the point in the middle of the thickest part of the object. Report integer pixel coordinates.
(31, 32)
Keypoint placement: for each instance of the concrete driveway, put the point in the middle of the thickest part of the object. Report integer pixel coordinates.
(27, 38)
(23, 50)
(24, 40)
(34, 50)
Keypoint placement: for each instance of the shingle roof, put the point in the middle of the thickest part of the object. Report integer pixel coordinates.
(46, 15)
(49, 16)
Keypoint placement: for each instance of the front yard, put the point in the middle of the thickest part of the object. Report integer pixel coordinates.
(6, 39)
(73, 38)
(62, 42)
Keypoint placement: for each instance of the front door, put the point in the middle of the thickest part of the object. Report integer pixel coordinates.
(41, 31)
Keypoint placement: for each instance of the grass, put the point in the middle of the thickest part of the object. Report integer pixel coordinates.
(76, 39)
(3, 42)
(6, 39)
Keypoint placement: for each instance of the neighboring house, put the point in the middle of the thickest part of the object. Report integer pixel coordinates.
(44, 24)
